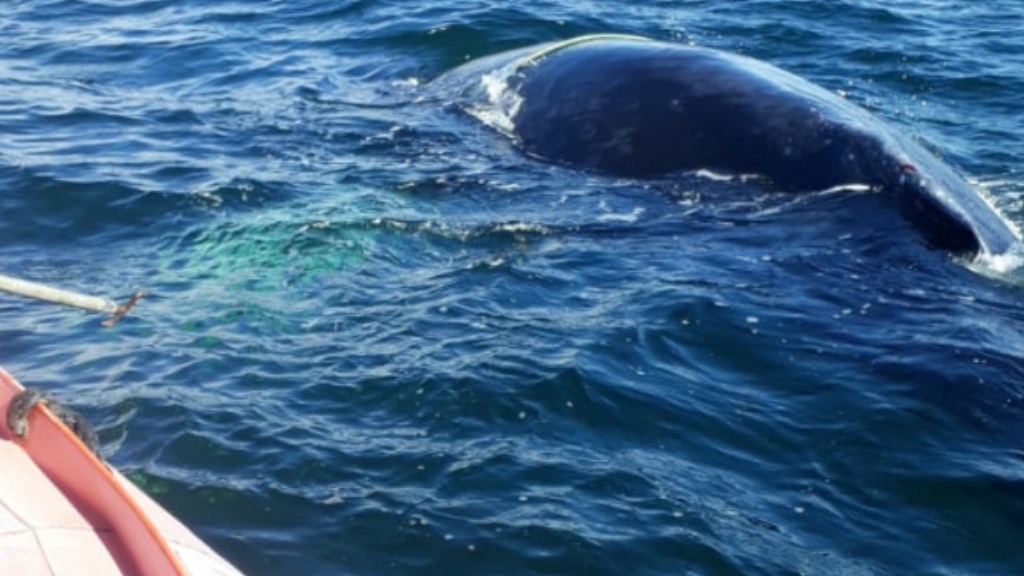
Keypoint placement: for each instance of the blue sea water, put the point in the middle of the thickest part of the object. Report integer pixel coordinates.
(381, 340)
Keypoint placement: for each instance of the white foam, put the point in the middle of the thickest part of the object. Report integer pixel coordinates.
(500, 102)
(629, 217)
(1000, 265)
(853, 187)
(716, 176)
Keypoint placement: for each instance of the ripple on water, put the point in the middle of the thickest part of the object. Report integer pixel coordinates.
(380, 340)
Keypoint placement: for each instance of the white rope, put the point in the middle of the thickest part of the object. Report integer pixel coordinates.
(56, 295)
(556, 46)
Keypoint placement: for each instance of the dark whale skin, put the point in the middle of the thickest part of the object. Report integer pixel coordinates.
(633, 107)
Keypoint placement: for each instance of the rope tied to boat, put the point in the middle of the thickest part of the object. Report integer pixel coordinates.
(23, 403)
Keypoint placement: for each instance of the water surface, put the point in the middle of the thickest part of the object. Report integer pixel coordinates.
(380, 340)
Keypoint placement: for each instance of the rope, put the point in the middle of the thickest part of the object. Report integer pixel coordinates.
(23, 403)
(540, 55)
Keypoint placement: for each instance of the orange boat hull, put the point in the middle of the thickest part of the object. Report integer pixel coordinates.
(64, 512)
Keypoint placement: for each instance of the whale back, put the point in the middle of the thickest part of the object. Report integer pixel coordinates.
(633, 107)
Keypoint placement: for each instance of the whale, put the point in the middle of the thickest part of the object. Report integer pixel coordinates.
(632, 107)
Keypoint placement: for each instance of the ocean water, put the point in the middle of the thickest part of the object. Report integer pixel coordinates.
(381, 340)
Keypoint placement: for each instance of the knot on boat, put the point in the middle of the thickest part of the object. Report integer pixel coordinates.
(23, 403)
